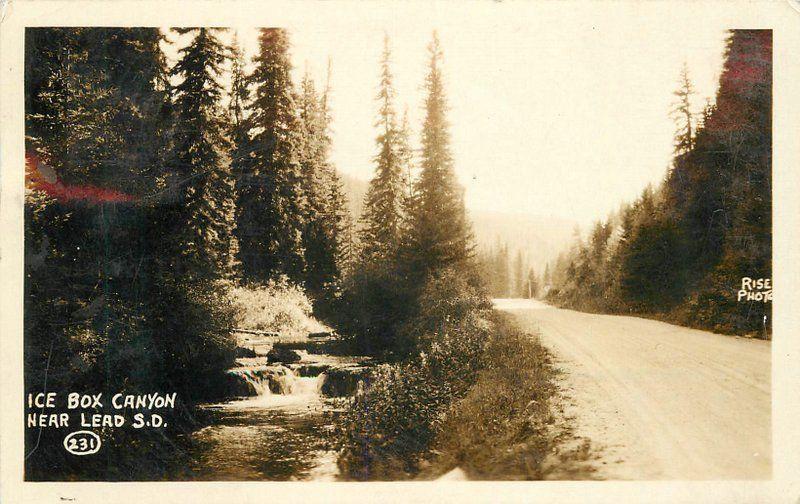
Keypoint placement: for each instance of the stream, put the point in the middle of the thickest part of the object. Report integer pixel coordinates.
(281, 425)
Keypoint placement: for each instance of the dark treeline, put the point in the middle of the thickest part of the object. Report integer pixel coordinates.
(681, 250)
(152, 190)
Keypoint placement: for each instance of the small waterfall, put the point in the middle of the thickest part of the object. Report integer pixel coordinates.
(282, 382)
(275, 386)
(274, 424)
(246, 382)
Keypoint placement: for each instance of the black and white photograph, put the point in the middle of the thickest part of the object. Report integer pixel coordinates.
(519, 245)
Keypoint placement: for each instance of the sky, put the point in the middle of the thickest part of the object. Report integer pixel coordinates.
(547, 118)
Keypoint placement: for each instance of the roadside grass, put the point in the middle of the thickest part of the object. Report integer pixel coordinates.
(480, 400)
(501, 428)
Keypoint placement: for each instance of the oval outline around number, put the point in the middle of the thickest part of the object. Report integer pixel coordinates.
(91, 434)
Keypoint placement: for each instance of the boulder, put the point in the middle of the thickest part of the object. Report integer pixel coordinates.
(280, 379)
(242, 352)
(237, 386)
(311, 369)
(283, 355)
(343, 381)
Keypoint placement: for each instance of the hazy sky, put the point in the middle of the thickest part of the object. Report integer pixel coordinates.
(547, 117)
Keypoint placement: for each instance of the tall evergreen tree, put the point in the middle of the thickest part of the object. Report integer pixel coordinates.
(193, 232)
(238, 98)
(319, 251)
(239, 94)
(384, 203)
(270, 197)
(405, 156)
(532, 288)
(682, 112)
(203, 216)
(439, 234)
(339, 227)
(502, 286)
(339, 221)
(327, 214)
(520, 281)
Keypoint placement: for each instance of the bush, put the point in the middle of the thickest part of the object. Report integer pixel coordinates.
(445, 299)
(387, 430)
(498, 430)
(278, 306)
(476, 398)
(469, 374)
(374, 306)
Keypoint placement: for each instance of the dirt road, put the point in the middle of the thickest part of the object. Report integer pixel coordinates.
(658, 401)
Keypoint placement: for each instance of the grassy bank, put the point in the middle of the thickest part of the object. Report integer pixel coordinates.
(477, 398)
(500, 428)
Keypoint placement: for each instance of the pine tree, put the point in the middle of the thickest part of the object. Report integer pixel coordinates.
(339, 222)
(203, 216)
(502, 277)
(405, 156)
(439, 234)
(339, 226)
(327, 214)
(270, 197)
(313, 151)
(349, 245)
(238, 99)
(238, 93)
(193, 226)
(682, 112)
(532, 288)
(520, 285)
(237, 104)
(385, 201)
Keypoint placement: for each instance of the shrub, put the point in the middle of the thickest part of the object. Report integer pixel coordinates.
(386, 430)
(498, 429)
(278, 306)
(471, 380)
(445, 299)
(374, 306)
